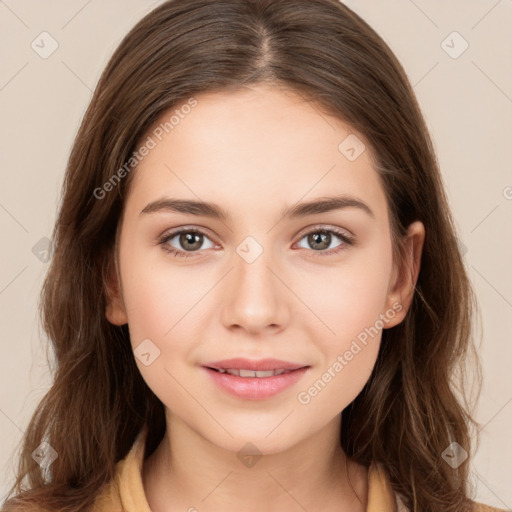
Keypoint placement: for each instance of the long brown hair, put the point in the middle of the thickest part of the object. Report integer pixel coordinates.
(414, 404)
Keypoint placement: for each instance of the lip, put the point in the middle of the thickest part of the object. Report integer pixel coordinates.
(255, 388)
(241, 363)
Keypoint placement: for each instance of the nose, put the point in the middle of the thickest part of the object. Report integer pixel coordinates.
(254, 297)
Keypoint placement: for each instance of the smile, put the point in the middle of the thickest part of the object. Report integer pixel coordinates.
(251, 373)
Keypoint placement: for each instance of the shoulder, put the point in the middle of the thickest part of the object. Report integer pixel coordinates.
(475, 506)
(108, 500)
(481, 507)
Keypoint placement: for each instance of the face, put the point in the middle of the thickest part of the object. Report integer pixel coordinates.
(265, 278)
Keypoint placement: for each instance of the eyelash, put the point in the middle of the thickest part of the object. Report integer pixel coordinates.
(344, 237)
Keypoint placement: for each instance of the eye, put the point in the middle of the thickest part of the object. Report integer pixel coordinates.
(190, 240)
(321, 238)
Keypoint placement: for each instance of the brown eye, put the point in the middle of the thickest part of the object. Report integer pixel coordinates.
(185, 241)
(320, 240)
(191, 240)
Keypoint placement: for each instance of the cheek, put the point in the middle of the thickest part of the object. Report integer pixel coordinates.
(150, 307)
(349, 296)
(156, 294)
(158, 300)
(350, 300)
(333, 387)
(347, 351)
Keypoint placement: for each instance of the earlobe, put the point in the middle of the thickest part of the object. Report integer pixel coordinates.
(115, 311)
(405, 275)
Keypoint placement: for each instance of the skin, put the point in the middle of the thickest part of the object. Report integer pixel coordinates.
(255, 152)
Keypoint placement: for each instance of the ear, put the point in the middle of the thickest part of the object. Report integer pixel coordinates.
(405, 274)
(115, 310)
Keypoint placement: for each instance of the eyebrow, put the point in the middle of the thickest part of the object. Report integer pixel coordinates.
(214, 211)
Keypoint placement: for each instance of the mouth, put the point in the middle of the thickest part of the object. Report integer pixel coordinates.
(251, 373)
(254, 380)
(253, 365)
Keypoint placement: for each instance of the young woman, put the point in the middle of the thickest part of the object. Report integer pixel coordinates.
(256, 298)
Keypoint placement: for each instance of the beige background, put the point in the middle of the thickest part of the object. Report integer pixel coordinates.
(467, 102)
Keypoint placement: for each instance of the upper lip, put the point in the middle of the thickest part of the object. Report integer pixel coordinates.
(240, 363)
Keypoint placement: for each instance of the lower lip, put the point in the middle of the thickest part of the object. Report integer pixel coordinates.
(255, 388)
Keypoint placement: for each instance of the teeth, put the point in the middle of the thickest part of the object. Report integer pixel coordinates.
(253, 373)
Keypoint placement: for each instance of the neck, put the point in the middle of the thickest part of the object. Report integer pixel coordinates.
(188, 472)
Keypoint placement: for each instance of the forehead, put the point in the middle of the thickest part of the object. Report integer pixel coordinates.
(254, 149)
